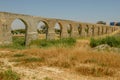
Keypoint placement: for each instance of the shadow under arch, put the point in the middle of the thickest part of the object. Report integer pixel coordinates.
(69, 29)
(80, 29)
(98, 30)
(42, 28)
(87, 30)
(19, 32)
(102, 30)
(93, 30)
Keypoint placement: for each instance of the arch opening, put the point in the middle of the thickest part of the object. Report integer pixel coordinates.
(69, 29)
(58, 30)
(42, 30)
(87, 30)
(106, 30)
(102, 30)
(112, 29)
(80, 29)
(19, 31)
(92, 30)
(98, 30)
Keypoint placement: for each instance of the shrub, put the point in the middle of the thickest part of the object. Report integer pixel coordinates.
(111, 41)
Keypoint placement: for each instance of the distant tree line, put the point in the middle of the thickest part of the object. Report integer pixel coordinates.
(18, 31)
(101, 22)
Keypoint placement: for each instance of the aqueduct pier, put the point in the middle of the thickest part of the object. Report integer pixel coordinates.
(78, 29)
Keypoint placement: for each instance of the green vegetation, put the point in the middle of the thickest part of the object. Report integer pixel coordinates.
(9, 75)
(112, 41)
(19, 31)
(48, 43)
(18, 43)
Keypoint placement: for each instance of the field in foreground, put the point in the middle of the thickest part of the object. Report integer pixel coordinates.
(79, 62)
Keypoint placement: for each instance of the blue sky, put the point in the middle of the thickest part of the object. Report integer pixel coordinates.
(79, 10)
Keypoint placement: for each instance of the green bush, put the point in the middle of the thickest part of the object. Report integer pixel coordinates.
(9, 75)
(112, 41)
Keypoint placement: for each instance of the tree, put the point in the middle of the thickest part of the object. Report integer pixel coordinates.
(101, 22)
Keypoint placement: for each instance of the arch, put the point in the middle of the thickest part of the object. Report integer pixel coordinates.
(92, 30)
(106, 30)
(112, 29)
(98, 30)
(42, 29)
(102, 32)
(69, 29)
(87, 30)
(19, 30)
(58, 29)
(80, 29)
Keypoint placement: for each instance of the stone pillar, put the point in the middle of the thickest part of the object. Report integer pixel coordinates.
(99, 30)
(31, 33)
(109, 30)
(75, 33)
(95, 30)
(85, 30)
(30, 36)
(5, 36)
(64, 33)
(112, 29)
(104, 29)
(51, 31)
(83, 33)
(90, 31)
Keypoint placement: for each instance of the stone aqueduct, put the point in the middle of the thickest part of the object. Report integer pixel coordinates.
(78, 29)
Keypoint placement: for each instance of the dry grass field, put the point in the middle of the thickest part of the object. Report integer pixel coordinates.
(79, 62)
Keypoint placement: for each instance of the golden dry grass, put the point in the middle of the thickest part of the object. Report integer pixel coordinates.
(80, 59)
